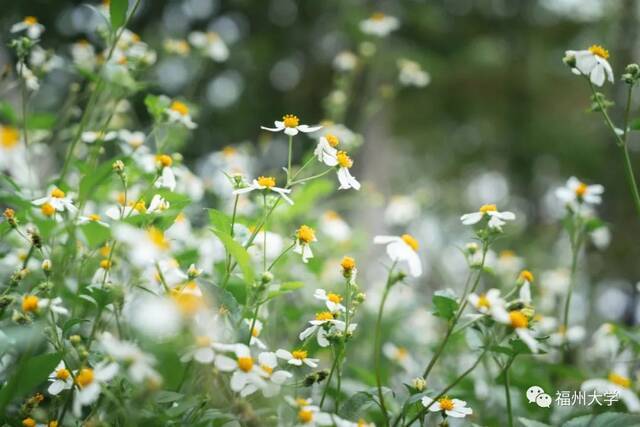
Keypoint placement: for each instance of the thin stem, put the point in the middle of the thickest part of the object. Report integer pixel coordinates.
(463, 305)
(507, 391)
(289, 159)
(326, 385)
(283, 253)
(378, 344)
(300, 181)
(254, 319)
(575, 249)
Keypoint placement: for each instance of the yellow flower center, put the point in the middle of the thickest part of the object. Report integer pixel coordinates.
(29, 303)
(47, 209)
(53, 423)
(324, 315)
(378, 16)
(526, 275)
(507, 254)
(446, 404)
(255, 332)
(164, 160)
(344, 160)
(335, 298)
(62, 374)
(139, 206)
(57, 193)
(411, 241)
(187, 299)
(483, 301)
(157, 238)
(94, 217)
(30, 20)
(299, 354)
(203, 341)
(401, 353)
(581, 189)
(332, 140)
(267, 369)
(488, 208)
(598, 50)
(348, 263)
(105, 251)
(180, 108)
(267, 181)
(620, 380)
(302, 402)
(105, 264)
(29, 422)
(245, 363)
(518, 320)
(229, 151)
(9, 137)
(362, 423)
(305, 234)
(305, 416)
(84, 377)
(290, 121)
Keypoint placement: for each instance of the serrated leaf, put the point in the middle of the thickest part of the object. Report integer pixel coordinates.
(445, 304)
(118, 13)
(239, 253)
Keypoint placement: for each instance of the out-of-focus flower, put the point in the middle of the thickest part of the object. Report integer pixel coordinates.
(92, 136)
(83, 54)
(56, 201)
(526, 279)
(496, 218)
(134, 140)
(30, 25)
(147, 246)
(332, 225)
(297, 358)
(489, 303)
(178, 112)
(402, 249)
(455, 408)
(210, 44)
(30, 79)
(89, 381)
(290, 124)
(266, 183)
(61, 379)
(255, 333)
(618, 383)
(401, 210)
(246, 373)
(176, 46)
(139, 364)
(399, 355)
(268, 362)
(332, 300)
(591, 62)
(345, 61)
(379, 25)
(576, 193)
(167, 178)
(412, 74)
(520, 324)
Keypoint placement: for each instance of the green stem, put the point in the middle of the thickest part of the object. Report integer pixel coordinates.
(463, 305)
(283, 253)
(507, 391)
(300, 181)
(575, 252)
(378, 344)
(326, 385)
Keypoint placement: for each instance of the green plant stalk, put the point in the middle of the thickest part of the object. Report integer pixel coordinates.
(378, 343)
(507, 390)
(454, 322)
(576, 245)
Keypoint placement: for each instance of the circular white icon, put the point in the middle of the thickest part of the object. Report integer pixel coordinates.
(533, 392)
(543, 400)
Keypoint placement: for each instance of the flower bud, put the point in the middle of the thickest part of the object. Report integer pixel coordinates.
(193, 271)
(46, 265)
(570, 61)
(267, 277)
(633, 70)
(10, 216)
(471, 248)
(418, 383)
(75, 339)
(118, 166)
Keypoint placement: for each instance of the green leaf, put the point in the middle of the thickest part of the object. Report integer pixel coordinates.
(118, 12)
(29, 374)
(609, 419)
(156, 105)
(237, 251)
(525, 422)
(93, 178)
(445, 304)
(225, 300)
(283, 288)
(220, 221)
(95, 233)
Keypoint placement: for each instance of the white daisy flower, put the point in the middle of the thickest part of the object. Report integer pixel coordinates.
(576, 193)
(345, 61)
(55, 305)
(593, 63)
(310, 416)
(326, 151)
(56, 201)
(245, 371)
(90, 137)
(211, 44)
(30, 79)
(268, 363)
(30, 25)
(147, 246)
(139, 364)
(178, 112)
(412, 74)
(158, 204)
(92, 218)
(496, 218)
(318, 327)
(344, 176)
(83, 54)
(454, 408)
(297, 358)
(290, 124)
(399, 355)
(402, 249)
(333, 301)
(618, 383)
(520, 324)
(304, 237)
(61, 380)
(255, 333)
(167, 178)
(563, 335)
(332, 225)
(266, 183)
(489, 303)
(526, 278)
(379, 25)
(88, 381)
(605, 342)
(134, 140)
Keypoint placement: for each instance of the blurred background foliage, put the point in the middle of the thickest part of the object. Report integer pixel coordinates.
(503, 119)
